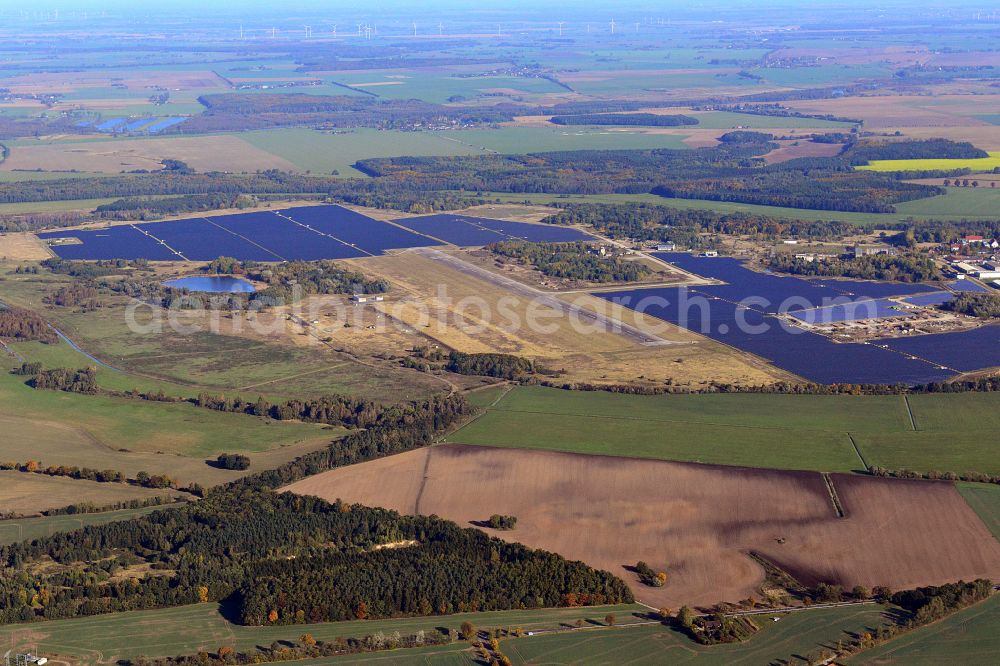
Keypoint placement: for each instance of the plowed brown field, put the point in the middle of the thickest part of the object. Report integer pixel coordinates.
(696, 522)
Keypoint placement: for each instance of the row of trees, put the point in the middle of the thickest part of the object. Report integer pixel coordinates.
(626, 119)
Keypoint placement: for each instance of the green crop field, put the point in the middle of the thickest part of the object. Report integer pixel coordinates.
(795, 638)
(186, 629)
(976, 164)
(970, 636)
(53, 206)
(101, 432)
(985, 501)
(910, 209)
(958, 203)
(13, 531)
(324, 152)
(754, 430)
(517, 140)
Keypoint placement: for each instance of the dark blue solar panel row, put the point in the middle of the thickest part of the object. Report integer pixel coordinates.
(468, 231)
(872, 308)
(284, 238)
(200, 240)
(161, 125)
(123, 242)
(968, 285)
(926, 300)
(714, 311)
(370, 235)
(308, 233)
(452, 229)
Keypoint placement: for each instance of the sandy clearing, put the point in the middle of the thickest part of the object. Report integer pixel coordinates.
(23, 247)
(696, 522)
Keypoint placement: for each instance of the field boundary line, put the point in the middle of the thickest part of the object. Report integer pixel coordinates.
(909, 411)
(832, 491)
(423, 481)
(857, 450)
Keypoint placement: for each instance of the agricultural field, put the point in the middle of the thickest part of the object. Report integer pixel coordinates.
(958, 203)
(970, 636)
(25, 529)
(822, 433)
(694, 522)
(985, 501)
(92, 641)
(910, 209)
(25, 493)
(792, 638)
(326, 152)
(204, 153)
(101, 432)
(975, 164)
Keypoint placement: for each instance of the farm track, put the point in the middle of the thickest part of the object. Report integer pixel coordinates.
(609, 324)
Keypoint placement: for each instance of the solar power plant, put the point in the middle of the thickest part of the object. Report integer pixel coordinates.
(853, 311)
(198, 239)
(467, 231)
(357, 230)
(122, 242)
(285, 238)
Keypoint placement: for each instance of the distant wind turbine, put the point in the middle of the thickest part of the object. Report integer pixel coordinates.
(612, 26)
(560, 27)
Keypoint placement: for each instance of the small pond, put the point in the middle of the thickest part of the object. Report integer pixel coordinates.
(213, 284)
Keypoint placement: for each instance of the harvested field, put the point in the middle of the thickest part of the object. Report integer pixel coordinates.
(695, 522)
(790, 150)
(204, 153)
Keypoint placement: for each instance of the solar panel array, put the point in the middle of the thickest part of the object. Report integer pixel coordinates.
(307, 233)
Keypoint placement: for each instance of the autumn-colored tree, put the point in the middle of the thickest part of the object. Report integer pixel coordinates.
(202, 594)
(225, 651)
(308, 640)
(468, 630)
(664, 613)
(361, 612)
(272, 616)
(609, 619)
(31, 466)
(661, 579)
(424, 606)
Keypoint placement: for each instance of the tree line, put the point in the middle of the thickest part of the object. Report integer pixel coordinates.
(626, 119)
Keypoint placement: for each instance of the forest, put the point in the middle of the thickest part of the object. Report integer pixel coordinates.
(236, 111)
(892, 268)
(642, 221)
(20, 324)
(981, 306)
(576, 261)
